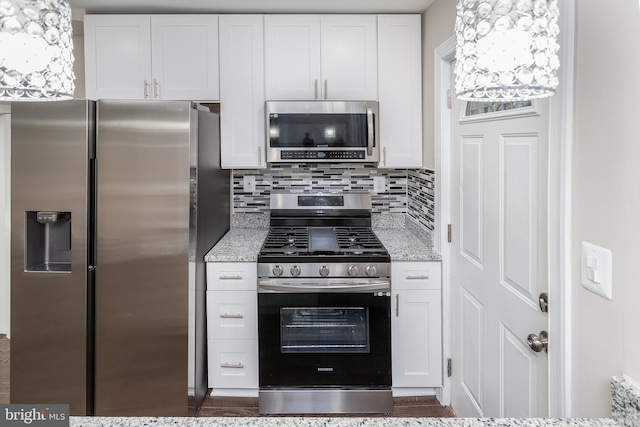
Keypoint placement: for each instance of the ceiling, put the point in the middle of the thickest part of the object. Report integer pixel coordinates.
(251, 6)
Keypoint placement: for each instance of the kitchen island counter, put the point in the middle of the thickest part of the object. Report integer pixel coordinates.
(328, 422)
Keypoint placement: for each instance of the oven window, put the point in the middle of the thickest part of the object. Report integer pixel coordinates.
(324, 330)
(318, 130)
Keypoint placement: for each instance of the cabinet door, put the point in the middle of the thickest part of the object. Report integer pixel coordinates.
(416, 339)
(400, 90)
(232, 276)
(117, 56)
(233, 364)
(242, 116)
(416, 275)
(349, 57)
(185, 57)
(292, 57)
(232, 315)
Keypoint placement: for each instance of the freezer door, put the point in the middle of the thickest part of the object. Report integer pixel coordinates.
(142, 257)
(51, 147)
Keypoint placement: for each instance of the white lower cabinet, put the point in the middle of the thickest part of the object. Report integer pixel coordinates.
(416, 328)
(232, 329)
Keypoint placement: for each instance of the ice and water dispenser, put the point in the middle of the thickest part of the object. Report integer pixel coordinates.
(48, 241)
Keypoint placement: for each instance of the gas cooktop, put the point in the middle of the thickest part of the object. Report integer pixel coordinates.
(322, 235)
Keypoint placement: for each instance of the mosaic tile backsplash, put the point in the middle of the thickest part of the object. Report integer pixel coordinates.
(421, 191)
(405, 191)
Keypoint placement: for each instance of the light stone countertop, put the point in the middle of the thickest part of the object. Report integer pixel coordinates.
(238, 245)
(404, 245)
(404, 239)
(330, 422)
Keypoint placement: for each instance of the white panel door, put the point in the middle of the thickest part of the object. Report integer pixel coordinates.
(185, 57)
(117, 56)
(499, 261)
(292, 57)
(400, 90)
(242, 115)
(349, 57)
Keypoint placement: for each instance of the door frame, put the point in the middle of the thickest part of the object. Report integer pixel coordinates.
(559, 210)
(5, 219)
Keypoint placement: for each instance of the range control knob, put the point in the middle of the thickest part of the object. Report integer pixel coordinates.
(277, 270)
(295, 270)
(324, 271)
(353, 270)
(371, 270)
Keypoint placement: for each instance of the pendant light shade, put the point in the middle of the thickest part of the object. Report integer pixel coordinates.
(36, 50)
(506, 50)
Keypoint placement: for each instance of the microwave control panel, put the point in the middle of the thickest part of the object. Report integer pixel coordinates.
(321, 154)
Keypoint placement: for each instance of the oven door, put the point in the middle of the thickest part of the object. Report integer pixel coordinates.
(324, 339)
(322, 131)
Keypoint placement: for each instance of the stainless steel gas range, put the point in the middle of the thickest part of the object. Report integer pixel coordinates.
(324, 294)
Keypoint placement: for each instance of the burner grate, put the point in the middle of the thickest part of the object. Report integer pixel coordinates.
(287, 240)
(357, 240)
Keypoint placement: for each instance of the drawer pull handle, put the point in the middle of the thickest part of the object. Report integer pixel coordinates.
(231, 316)
(238, 277)
(229, 365)
(421, 277)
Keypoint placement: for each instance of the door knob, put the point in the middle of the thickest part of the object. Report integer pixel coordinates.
(539, 343)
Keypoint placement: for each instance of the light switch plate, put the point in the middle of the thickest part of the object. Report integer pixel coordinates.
(596, 269)
(379, 184)
(249, 183)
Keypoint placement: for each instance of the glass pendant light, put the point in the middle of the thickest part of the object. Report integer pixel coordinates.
(506, 50)
(36, 50)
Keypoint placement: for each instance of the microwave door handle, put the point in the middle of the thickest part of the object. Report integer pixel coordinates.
(370, 132)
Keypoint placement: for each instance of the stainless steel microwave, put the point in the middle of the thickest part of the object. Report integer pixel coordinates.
(322, 131)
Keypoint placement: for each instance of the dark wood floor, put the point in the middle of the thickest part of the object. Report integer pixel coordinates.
(248, 407)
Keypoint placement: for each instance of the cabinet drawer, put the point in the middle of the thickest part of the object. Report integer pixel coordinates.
(416, 275)
(233, 364)
(234, 276)
(232, 315)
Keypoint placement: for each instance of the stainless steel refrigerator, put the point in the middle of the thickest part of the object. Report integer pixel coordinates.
(114, 205)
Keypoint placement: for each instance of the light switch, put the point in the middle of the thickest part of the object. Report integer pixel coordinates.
(596, 269)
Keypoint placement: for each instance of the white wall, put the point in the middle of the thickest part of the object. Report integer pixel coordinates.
(606, 202)
(5, 219)
(437, 26)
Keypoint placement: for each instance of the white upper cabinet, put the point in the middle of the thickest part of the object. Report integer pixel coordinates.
(349, 57)
(400, 90)
(152, 57)
(292, 57)
(320, 57)
(117, 56)
(242, 114)
(184, 57)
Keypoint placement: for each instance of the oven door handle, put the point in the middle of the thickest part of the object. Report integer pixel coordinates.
(324, 287)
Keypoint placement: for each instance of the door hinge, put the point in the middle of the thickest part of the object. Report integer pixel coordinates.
(449, 367)
(449, 233)
(448, 98)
